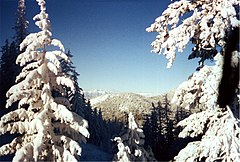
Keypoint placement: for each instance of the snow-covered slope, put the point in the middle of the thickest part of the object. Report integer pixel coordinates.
(100, 99)
(117, 105)
(123, 101)
(149, 94)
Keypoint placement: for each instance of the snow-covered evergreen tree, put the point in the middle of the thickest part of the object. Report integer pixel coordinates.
(209, 26)
(130, 144)
(48, 129)
(123, 151)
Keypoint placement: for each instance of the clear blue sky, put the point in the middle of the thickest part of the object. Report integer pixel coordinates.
(109, 43)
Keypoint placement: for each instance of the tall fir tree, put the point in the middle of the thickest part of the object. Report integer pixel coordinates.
(48, 130)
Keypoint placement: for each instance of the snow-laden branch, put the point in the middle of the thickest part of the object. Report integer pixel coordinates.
(66, 116)
(221, 140)
(205, 25)
(24, 153)
(123, 151)
(202, 86)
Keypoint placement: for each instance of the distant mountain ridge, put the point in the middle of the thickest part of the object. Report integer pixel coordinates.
(90, 94)
(117, 105)
(95, 93)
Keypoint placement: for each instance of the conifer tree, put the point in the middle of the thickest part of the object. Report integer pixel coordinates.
(104, 133)
(151, 128)
(8, 65)
(130, 144)
(5, 63)
(76, 99)
(209, 25)
(123, 151)
(147, 131)
(180, 114)
(48, 130)
(95, 126)
(21, 24)
(168, 123)
(20, 28)
(159, 130)
(87, 111)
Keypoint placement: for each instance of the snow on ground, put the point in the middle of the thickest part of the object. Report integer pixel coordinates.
(149, 94)
(98, 99)
(91, 152)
